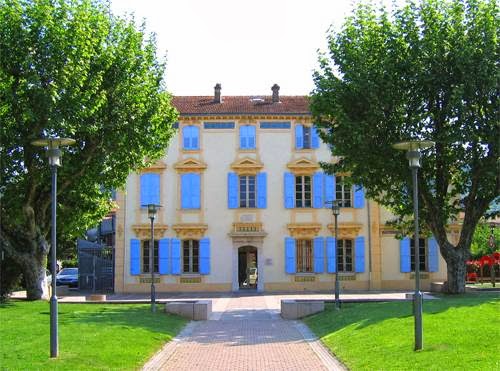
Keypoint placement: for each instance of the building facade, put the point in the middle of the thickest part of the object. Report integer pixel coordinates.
(245, 206)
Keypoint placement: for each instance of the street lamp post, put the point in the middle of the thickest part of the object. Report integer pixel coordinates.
(54, 155)
(152, 209)
(336, 212)
(413, 155)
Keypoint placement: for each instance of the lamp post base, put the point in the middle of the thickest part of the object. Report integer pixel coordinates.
(417, 312)
(337, 293)
(54, 344)
(153, 298)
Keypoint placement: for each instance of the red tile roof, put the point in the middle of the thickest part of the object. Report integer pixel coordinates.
(241, 105)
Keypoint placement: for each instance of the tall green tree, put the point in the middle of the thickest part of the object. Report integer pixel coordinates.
(427, 70)
(69, 68)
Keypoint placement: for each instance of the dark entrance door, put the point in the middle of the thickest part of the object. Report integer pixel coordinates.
(247, 267)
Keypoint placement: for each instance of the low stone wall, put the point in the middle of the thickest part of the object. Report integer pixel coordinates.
(295, 309)
(95, 297)
(197, 310)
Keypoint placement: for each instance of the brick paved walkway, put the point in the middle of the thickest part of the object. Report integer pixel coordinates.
(248, 334)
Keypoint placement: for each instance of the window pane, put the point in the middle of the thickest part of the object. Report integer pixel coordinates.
(307, 137)
(196, 256)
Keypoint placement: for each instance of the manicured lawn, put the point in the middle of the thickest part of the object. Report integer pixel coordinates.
(91, 336)
(460, 333)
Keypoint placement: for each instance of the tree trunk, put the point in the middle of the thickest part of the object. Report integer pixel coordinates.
(35, 278)
(457, 273)
(29, 249)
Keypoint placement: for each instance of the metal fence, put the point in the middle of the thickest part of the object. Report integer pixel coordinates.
(96, 268)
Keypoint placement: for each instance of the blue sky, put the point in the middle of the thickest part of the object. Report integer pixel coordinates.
(247, 46)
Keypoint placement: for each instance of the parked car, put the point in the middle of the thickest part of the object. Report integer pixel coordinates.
(67, 276)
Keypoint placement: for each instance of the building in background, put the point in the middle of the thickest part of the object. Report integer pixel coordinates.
(245, 207)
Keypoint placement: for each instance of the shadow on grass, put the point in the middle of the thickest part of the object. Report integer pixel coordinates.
(367, 314)
(123, 316)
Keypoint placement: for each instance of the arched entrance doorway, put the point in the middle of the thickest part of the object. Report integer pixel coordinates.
(247, 267)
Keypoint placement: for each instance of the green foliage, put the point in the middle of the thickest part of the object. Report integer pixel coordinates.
(91, 336)
(457, 333)
(480, 242)
(69, 68)
(426, 71)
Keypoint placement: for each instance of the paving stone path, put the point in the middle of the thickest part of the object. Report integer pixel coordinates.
(245, 333)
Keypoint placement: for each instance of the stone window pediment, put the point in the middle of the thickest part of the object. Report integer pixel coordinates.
(303, 166)
(143, 231)
(304, 230)
(190, 165)
(190, 230)
(247, 166)
(346, 230)
(156, 167)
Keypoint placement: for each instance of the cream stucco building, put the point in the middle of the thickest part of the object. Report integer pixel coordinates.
(245, 207)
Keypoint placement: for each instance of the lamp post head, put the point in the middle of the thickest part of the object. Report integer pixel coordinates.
(413, 148)
(335, 208)
(53, 151)
(152, 209)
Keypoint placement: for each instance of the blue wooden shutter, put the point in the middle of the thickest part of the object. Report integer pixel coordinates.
(186, 137)
(185, 191)
(404, 255)
(329, 189)
(314, 138)
(289, 190)
(359, 254)
(319, 255)
(243, 137)
(205, 256)
(359, 197)
(195, 131)
(433, 257)
(164, 256)
(290, 263)
(135, 257)
(251, 137)
(195, 191)
(299, 136)
(261, 190)
(232, 190)
(318, 190)
(150, 189)
(176, 256)
(331, 255)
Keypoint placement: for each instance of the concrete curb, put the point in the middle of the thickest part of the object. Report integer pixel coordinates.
(161, 357)
(329, 361)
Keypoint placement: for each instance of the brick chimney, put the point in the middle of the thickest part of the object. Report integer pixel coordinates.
(276, 93)
(217, 96)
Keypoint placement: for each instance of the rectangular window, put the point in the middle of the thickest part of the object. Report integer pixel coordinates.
(343, 192)
(145, 257)
(344, 255)
(422, 245)
(304, 256)
(303, 191)
(247, 137)
(307, 137)
(247, 191)
(190, 256)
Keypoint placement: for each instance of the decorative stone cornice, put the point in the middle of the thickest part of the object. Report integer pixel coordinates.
(190, 230)
(346, 230)
(247, 233)
(247, 166)
(303, 166)
(190, 165)
(143, 231)
(304, 230)
(304, 118)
